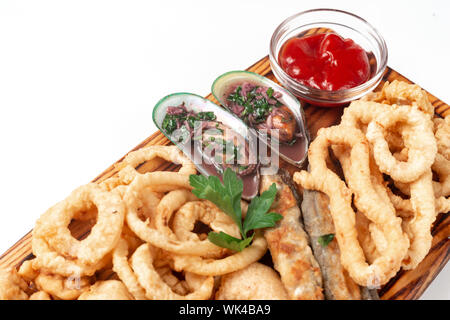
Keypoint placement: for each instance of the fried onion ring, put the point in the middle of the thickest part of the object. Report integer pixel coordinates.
(124, 271)
(206, 212)
(169, 153)
(153, 236)
(170, 203)
(157, 289)
(48, 260)
(211, 267)
(53, 225)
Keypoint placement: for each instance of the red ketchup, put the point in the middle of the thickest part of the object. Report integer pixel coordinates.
(325, 61)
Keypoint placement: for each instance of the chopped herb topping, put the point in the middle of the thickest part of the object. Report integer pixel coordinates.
(254, 101)
(325, 239)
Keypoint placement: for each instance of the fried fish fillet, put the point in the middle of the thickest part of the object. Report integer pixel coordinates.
(318, 222)
(289, 246)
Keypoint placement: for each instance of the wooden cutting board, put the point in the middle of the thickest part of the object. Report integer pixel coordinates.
(406, 285)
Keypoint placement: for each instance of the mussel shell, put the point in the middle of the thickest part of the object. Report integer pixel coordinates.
(197, 104)
(225, 83)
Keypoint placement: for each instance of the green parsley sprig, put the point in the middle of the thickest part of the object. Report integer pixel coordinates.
(227, 197)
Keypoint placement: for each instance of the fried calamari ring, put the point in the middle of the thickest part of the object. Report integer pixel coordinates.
(124, 271)
(12, 287)
(157, 289)
(207, 213)
(421, 152)
(365, 238)
(360, 113)
(136, 158)
(323, 179)
(211, 267)
(402, 93)
(53, 226)
(106, 290)
(419, 228)
(60, 287)
(255, 282)
(371, 199)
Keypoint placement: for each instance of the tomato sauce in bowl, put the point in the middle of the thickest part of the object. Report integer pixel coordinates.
(325, 61)
(327, 57)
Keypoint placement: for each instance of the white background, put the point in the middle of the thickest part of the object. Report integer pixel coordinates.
(79, 79)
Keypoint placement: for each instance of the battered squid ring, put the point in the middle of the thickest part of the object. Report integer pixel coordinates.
(360, 113)
(153, 236)
(156, 289)
(419, 228)
(127, 167)
(441, 167)
(211, 267)
(53, 225)
(204, 211)
(363, 177)
(323, 179)
(400, 92)
(421, 153)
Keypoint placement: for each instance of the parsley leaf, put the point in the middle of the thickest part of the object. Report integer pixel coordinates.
(257, 216)
(226, 241)
(325, 239)
(227, 197)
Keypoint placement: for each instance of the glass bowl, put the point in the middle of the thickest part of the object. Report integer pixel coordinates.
(347, 25)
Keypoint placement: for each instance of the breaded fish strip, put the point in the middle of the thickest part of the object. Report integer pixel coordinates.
(318, 222)
(289, 246)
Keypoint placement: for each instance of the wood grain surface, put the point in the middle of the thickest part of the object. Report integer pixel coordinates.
(406, 285)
